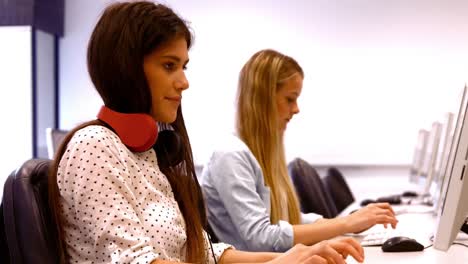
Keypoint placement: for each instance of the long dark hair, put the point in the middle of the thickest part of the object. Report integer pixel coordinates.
(125, 33)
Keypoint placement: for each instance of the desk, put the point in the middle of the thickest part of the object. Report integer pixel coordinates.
(419, 226)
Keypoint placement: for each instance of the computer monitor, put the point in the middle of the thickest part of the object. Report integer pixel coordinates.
(430, 159)
(454, 206)
(443, 157)
(447, 163)
(418, 156)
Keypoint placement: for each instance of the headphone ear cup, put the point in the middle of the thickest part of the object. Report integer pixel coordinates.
(136, 130)
(169, 149)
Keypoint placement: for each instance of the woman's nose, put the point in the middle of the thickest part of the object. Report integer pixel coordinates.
(182, 83)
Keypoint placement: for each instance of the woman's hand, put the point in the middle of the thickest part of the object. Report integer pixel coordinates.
(328, 251)
(370, 215)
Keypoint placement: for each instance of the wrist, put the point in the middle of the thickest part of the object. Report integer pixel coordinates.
(343, 225)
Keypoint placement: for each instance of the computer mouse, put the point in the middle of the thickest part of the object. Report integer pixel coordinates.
(392, 199)
(409, 194)
(366, 202)
(401, 244)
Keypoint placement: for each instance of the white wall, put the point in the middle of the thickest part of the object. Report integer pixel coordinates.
(376, 70)
(15, 99)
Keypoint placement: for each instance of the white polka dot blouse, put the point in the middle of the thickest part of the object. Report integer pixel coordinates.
(118, 207)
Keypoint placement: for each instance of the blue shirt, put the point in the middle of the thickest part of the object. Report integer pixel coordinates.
(238, 202)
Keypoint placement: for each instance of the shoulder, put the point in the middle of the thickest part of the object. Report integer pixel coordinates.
(93, 137)
(96, 143)
(232, 147)
(231, 154)
(94, 133)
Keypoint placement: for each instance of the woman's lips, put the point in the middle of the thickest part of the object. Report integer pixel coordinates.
(174, 98)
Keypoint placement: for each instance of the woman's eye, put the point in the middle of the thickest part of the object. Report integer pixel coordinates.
(169, 66)
(290, 100)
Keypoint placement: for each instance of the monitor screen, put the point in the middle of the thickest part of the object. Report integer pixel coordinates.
(443, 157)
(430, 160)
(418, 156)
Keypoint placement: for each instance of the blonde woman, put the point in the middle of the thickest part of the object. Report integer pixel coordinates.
(250, 199)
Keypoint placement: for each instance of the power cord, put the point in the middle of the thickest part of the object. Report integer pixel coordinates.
(460, 244)
(212, 250)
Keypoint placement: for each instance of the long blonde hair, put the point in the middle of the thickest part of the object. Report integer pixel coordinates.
(257, 125)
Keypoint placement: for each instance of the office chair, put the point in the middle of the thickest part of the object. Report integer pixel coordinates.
(28, 226)
(313, 196)
(4, 253)
(338, 189)
(54, 138)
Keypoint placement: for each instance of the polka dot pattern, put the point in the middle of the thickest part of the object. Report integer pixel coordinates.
(118, 207)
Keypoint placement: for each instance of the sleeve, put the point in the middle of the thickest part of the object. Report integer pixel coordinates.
(310, 218)
(102, 199)
(233, 176)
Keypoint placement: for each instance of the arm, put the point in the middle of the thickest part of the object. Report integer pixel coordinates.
(310, 218)
(309, 234)
(235, 181)
(158, 261)
(333, 251)
(364, 218)
(235, 256)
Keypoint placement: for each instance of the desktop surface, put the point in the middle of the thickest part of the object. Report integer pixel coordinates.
(415, 221)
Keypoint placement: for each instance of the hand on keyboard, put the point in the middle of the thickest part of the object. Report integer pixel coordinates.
(333, 251)
(370, 215)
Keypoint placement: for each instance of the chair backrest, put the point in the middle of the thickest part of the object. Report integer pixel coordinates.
(29, 228)
(313, 196)
(54, 138)
(338, 189)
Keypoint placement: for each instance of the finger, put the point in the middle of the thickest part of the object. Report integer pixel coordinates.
(382, 219)
(359, 248)
(356, 245)
(315, 259)
(384, 212)
(385, 206)
(334, 255)
(330, 261)
(350, 248)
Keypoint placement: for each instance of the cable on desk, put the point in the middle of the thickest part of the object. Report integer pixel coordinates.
(429, 246)
(460, 244)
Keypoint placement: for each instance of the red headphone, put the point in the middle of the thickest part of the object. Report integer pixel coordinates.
(136, 130)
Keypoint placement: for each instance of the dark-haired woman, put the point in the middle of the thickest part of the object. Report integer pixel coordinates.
(117, 200)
